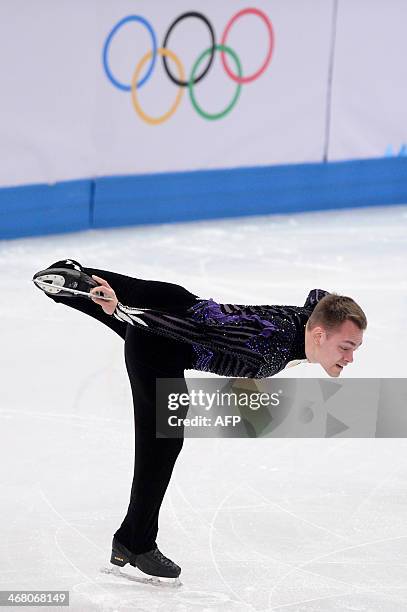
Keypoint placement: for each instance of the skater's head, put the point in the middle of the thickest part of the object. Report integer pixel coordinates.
(333, 332)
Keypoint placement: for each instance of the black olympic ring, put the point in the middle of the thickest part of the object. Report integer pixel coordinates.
(211, 56)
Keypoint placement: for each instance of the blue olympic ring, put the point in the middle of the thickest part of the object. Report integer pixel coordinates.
(118, 25)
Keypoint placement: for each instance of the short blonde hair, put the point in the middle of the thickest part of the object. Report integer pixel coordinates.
(333, 310)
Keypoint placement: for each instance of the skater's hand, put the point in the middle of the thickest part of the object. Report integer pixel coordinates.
(109, 306)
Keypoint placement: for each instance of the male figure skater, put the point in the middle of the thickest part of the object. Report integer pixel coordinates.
(168, 329)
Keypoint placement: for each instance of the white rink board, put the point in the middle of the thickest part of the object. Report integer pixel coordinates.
(63, 119)
(369, 94)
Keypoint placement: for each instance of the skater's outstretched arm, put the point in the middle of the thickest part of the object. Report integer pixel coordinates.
(137, 292)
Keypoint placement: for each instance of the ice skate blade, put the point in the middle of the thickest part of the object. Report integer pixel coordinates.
(56, 288)
(128, 572)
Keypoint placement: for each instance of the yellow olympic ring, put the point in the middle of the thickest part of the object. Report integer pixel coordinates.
(147, 118)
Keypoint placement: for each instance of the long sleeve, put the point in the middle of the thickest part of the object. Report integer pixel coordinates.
(140, 293)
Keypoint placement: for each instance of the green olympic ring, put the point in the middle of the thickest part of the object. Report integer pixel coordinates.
(191, 80)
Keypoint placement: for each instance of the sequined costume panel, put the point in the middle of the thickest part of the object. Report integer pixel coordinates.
(233, 339)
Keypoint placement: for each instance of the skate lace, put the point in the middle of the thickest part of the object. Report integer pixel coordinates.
(161, 558)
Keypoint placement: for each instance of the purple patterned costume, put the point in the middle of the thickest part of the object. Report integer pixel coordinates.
(233, 339)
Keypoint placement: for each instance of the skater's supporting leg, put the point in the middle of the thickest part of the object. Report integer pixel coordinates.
(154, 457)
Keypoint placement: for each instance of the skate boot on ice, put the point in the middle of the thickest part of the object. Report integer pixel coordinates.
(152, 564)
(65, 278)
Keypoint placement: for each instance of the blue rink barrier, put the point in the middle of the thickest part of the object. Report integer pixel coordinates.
(45, 209)
(202, 194)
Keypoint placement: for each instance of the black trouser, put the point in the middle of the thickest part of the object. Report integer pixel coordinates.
(147, 357)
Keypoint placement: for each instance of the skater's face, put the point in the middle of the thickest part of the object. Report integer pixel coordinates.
(333, 350)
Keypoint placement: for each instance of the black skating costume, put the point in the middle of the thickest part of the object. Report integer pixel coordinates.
(233, 339)
(179, 331)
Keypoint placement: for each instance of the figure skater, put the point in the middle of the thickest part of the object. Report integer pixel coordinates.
(167, 329)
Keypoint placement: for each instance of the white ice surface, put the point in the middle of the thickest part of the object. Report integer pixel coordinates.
(269, 524)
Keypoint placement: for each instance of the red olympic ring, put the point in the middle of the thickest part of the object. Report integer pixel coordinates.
(255, 75)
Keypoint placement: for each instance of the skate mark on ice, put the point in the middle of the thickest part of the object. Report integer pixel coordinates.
(302, 570)
(67, 416)
(374, 490)
(305, 601)
(300, 518)
(62, 552)
(211, 530)
(334, 552)
(89, 579)
(94, 598)
(66, 522)
(175, 515)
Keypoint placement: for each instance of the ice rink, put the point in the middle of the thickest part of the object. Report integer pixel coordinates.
(256, 524)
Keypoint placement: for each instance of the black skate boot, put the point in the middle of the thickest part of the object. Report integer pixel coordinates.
(153, 563)
(65, 278)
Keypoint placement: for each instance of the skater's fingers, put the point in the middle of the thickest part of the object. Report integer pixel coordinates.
(102, 281)
(108, 291)
(100, 300)
(97, 300)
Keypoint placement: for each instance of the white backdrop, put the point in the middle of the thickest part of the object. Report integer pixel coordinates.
(63, 119)
(369, 102)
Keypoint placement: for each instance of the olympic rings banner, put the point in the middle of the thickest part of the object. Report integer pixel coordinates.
(125, 87)
(197, 73)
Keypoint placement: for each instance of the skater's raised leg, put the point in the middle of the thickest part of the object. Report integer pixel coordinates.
(131, 291)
